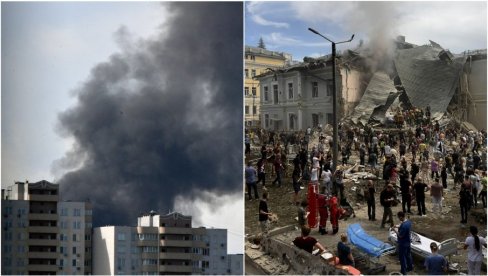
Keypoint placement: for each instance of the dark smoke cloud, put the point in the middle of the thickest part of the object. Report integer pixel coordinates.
(161, 118)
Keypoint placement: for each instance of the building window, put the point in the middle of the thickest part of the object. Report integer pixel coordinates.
(290, 90)
(76, 212)
(292, 121)
(246, 73)
(62, 250)
(73, 262)
(246, 109)
(74, 237)
(315, 120)
(315, 89)
(121, 249)
(61, 262)
(64, 212)
(254, 110)
(254, 91)
(74, 249)
(246, 91)
(266, 120)
(20, 249)
(121, 236)
(330, 88)
(330, 119)
(266, 94)
(253, 73)
(76, 224)
(275, 94)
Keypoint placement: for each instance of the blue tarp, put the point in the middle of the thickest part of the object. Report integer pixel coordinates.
(366, 243)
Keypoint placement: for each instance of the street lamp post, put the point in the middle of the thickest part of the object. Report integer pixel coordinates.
(334, 97)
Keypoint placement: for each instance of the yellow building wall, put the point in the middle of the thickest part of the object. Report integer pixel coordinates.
(254, 66)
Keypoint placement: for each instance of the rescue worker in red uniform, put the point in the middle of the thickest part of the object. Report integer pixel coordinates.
(334, 213)
(322, 203)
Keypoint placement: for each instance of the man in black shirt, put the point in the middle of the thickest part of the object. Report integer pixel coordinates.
(420, 188)
(370, 191)
(387, 197)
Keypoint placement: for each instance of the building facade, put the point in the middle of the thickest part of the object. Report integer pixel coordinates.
(476, 82)
(42, 235)
(300, 96)
(257, 61)
(161, 245)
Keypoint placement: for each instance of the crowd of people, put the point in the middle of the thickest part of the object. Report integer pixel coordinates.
(417, 157)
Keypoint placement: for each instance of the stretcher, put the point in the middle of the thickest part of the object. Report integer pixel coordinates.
(368, 244)
(367, 250)
(420, 245)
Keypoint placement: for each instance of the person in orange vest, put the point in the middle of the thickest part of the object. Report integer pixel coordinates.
(322, 203)
(334, 213)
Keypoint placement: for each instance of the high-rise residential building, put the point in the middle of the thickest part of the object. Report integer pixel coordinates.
(258, 61)
(43, 235)
(163, 244)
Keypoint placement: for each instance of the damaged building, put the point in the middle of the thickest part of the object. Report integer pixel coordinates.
(300, 96)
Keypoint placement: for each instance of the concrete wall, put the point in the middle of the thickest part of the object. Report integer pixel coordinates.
(477, 86)
(103, 250)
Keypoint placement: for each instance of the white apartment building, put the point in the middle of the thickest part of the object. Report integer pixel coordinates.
(41, 235)
(163, 244)
(116, 251)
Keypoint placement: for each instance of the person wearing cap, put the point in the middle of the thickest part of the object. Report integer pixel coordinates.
(435, 264)
(403, 239)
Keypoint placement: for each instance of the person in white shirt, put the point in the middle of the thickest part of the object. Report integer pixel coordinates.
(327, 181)
(475, 256)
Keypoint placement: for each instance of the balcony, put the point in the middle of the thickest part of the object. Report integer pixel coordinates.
(149, 255)
(176, 243)
(149, 268)
(43, 229)
(201, 244)
(176, 256)
(175, 230)
(176, 268)
(147, 243)
(42, 255)
(42, 216)
(44, 268)
(36, 197)
(43, 242)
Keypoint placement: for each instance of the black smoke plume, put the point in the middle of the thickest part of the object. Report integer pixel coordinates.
(160, 118)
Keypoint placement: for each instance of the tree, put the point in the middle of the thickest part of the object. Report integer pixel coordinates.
(261, 43)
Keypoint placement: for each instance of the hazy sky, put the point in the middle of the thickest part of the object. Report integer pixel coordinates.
(457, 26)
(122, 103)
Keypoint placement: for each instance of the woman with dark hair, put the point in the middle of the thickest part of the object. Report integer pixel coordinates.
(475, 256)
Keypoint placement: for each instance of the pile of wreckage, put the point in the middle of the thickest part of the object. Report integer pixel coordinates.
(419, 76)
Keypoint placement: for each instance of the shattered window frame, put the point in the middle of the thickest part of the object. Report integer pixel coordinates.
(290, 91)
(315, 89)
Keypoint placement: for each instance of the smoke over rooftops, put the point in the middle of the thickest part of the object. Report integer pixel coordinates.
(161, 118)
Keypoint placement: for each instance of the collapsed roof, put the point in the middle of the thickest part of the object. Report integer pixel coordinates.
(428, 75)
(380, 93)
